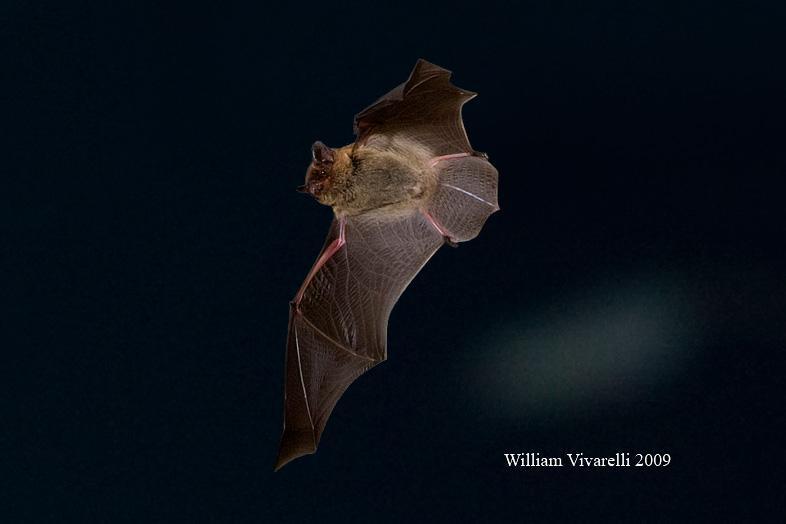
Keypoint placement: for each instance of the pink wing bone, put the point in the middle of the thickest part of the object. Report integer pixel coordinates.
(437, 159)
(323, 258)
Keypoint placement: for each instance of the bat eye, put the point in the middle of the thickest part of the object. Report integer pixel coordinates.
(316, 173)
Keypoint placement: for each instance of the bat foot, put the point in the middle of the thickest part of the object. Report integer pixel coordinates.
(481, 154)
(448, 240)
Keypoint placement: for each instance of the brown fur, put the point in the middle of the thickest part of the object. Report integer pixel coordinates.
(386, 172)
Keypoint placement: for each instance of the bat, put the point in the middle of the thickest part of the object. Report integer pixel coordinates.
(409, 183)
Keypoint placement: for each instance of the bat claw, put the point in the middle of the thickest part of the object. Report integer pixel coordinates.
(481, 154)
(449, 241)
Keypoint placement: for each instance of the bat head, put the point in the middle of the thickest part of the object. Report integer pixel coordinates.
(318, 175)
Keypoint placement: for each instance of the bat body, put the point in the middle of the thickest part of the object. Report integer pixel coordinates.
(410, 183)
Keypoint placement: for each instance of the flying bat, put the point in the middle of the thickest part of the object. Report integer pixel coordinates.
(410, 183)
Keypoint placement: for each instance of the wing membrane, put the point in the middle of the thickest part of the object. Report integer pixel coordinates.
(425, 108)
(466, 196)
(339, 329)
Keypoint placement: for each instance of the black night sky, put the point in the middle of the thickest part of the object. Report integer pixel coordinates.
(629, 297)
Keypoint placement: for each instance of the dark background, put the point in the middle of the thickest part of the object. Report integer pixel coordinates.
(628, 297)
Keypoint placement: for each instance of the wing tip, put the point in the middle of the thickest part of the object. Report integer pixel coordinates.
(422, 63)
(425, 70)
(294, 444)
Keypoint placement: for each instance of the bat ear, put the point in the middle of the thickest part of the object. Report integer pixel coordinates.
(322, 154)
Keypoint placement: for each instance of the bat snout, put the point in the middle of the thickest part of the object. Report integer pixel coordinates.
(312, 187)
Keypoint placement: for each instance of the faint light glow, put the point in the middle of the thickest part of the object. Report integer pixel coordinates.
(607, 346)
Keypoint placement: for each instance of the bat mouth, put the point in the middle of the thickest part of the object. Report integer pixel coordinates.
(313, 188)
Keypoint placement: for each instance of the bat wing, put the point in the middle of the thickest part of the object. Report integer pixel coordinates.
(338, 320)
(427, 109)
